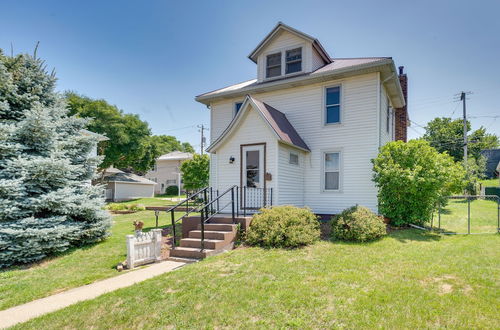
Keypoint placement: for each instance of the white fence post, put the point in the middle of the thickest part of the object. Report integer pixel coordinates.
(157, 243)
(130, 251)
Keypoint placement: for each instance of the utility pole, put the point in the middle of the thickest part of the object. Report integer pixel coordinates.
(202, 144)
(463, 98)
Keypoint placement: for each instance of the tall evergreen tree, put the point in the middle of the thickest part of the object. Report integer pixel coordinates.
(47, 204)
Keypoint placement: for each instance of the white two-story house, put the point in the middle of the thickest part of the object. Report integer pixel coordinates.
(308, 126)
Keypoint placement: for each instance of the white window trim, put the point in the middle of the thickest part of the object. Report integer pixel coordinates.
(341, 171)
(341, 105)
(283, 61)
(289, 158)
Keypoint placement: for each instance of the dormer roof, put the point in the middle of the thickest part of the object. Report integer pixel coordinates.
(283, 27)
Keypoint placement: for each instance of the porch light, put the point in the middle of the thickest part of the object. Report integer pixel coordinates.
(231, 160)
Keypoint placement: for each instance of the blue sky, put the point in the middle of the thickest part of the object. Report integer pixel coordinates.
(153, 57)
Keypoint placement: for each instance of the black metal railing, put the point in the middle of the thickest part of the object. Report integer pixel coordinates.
(253, 199)
(209, 202)
(198, 198)
(213, 207)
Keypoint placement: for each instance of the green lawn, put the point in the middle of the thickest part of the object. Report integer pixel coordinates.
(490, 182)
(411, 279)
(483, 215)
(153, 201)
(74, 268)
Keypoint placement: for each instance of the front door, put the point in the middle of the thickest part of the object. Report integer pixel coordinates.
(252, 176)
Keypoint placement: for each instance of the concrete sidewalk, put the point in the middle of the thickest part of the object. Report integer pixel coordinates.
(23, 313)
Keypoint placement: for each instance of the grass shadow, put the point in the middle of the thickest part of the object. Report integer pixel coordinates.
(406, 235)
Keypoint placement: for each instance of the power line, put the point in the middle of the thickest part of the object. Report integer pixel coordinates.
(179, 128)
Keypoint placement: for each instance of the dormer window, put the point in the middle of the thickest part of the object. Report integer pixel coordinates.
(273, 65)
(293, 60)
(237, 107)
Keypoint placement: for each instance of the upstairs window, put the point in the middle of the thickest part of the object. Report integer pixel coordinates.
(237, 107)
(294, 159)
(332, 105)
(273, 65)
(293, 60)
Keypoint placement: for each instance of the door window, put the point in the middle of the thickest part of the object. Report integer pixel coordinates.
(253, 168)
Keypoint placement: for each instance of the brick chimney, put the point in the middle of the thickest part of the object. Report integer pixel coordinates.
(401, 115)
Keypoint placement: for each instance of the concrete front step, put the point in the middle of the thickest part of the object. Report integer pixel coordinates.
(214, 244)
(219, 227)
(188, 252)
(210, 234)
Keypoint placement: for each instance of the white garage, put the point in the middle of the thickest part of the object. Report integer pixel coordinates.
(121, 186)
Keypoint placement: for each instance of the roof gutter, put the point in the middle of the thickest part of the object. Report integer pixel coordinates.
(299, 81)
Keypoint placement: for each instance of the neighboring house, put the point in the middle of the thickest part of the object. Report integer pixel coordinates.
(121, 186)
(99, 137)
(166, 171)
(307, 126)
(492, 161)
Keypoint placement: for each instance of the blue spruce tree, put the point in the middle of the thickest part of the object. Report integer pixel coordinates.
(47, 204)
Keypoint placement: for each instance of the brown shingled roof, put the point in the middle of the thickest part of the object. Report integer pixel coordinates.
(280, 124)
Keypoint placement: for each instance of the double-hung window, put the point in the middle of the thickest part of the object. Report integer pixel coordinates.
(273, 65)
(293, 60)
(331, 171)
(332, 103)
(294, 159)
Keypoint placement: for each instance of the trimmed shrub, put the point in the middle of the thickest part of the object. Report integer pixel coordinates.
(172, 190)
(412, 178)
(358, 223)
(283, 227)
(125, 207)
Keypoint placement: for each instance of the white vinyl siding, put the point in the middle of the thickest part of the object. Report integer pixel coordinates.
(317, 61)
(356, 137)
(127, 191)
(290, 177)
(252, 129)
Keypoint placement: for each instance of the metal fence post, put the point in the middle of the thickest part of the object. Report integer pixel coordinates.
(237, 202)
(439, 216)
(202, 224)
(468, 214)
(498, 214)
(172, 216)
(244, 201)
(232, 204)
(156, 216)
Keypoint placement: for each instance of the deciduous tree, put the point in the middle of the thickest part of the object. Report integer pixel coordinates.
(195, 172)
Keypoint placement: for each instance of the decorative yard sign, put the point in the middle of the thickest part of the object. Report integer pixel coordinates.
(143, 248)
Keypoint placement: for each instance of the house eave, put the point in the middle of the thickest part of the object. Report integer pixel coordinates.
(386, 66)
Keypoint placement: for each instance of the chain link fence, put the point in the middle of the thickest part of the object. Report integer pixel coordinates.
(467, 215)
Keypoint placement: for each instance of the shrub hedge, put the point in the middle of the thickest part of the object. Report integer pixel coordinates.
(283, 227)
(358, 223)
(172, 190)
